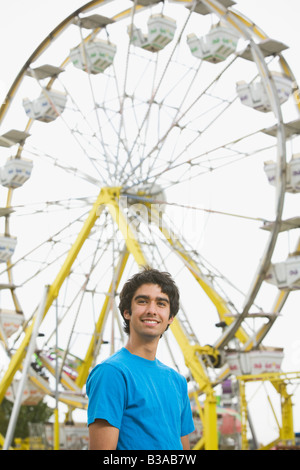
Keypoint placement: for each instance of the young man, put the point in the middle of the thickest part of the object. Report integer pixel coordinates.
(135, 401)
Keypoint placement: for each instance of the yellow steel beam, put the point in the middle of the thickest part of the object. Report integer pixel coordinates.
(2, 441)
(250, 25)
(244, 416)
(190, 356)
(84, 368)
(287, 421)
(105, 195)
(270, 445)
(286, 431)
(65, 380)
(56, 430)
(198, 373)
(127, 232)
(200, 444)
(274, 377)
(287, 70)
(71, 400)
(210, 422)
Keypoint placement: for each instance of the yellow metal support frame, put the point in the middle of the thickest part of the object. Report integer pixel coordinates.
(105, 196)
(109, 198)
(84, 368)
(279, 381)
(244, 416)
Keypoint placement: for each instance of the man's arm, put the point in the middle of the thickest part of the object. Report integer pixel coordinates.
(185, 442)
(102, 435)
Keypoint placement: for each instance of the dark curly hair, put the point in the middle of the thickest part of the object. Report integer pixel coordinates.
(148, 276)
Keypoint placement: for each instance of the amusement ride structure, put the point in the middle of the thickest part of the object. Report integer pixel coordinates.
(151, 133)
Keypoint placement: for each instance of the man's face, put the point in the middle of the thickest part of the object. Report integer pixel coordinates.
(150, 312)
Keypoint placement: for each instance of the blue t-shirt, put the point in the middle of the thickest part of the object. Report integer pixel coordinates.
(146, 400)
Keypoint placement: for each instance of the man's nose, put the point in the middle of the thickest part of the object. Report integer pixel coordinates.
(152, 307)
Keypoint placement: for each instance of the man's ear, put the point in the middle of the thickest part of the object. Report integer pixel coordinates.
(126, 314)
(170, 320)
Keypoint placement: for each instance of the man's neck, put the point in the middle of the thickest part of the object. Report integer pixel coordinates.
(145, 350)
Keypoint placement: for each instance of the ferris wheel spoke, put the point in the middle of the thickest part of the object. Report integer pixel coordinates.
(58, 112)
(88, 139)
(79, 295)
(211, 275)
(49, 241)
(123, 91)
(154, 91)
(153, 154)
(99, 127)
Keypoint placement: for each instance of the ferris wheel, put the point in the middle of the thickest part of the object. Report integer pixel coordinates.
(160, 133)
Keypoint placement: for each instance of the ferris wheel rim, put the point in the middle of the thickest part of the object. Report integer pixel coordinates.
(213, 5)
(221, 11)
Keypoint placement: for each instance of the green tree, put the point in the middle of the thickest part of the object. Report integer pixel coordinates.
(39, 413)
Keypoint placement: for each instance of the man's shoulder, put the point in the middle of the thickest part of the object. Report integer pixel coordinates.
(117, 360)
(110, 369)
(174, 373)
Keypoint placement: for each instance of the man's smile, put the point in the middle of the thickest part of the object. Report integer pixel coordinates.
(150, 321)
